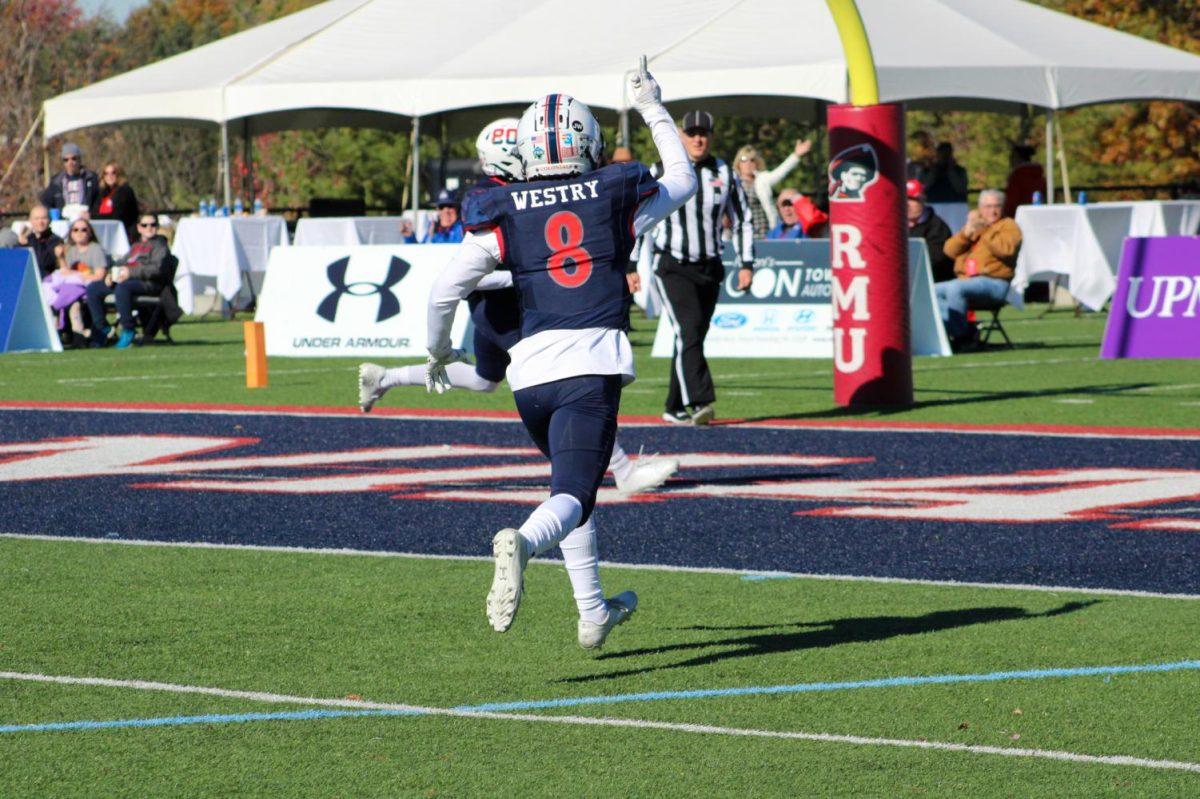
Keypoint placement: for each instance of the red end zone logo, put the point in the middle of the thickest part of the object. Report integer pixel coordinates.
(1122, 497)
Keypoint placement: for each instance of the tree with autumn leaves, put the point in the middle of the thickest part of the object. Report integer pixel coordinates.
(50, 47)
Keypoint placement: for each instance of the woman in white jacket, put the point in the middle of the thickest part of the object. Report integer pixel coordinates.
(760, 184)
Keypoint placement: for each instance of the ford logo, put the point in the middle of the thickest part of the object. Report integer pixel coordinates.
(728, 321)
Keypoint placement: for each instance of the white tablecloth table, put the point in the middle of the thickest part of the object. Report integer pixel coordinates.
(348, 230)
(1083, 242)
(224, 248)
(953, 214)
(110, 233)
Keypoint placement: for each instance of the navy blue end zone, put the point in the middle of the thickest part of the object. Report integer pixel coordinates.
(1031, 509)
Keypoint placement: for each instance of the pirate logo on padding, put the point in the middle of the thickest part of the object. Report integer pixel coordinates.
(851, 172)
(389, 303)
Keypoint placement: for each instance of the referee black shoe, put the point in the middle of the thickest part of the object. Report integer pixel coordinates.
(677, 417)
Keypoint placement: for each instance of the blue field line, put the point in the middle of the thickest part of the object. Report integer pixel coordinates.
(548, 704)
(817, 687)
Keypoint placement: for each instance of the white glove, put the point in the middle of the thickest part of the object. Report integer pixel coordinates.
(435, 369)
(643, 89)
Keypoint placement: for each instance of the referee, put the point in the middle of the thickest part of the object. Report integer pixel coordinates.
(687, 248)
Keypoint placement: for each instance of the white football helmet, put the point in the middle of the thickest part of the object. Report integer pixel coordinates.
(558, 137)
(497, 148)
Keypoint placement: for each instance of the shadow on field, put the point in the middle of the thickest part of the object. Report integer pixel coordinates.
(961, 398)
(818, 635)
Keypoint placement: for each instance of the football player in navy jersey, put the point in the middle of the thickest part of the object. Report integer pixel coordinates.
(566, 235)
(496, 320)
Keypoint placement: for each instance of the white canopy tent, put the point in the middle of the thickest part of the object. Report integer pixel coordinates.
(389, 63)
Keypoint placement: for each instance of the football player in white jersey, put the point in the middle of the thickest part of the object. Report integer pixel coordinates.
(495, 317)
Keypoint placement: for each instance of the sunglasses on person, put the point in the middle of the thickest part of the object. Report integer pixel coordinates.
(148, 224)
(110, 172)
(79, 230)
(69, 158)
(785, 204)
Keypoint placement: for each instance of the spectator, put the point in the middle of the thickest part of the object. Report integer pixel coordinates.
(1026, 177)
(621, 155)
(789, 226)
(116, 199)
(40, 239)
(921, 156)
(947, 179)
(759, 184)
(687, 246)
(84, 261)
(924, 223)
(138, 272)
(448, 229)
(75, 185)
(984, 253)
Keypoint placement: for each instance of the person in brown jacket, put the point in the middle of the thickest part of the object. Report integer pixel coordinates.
(985, 254)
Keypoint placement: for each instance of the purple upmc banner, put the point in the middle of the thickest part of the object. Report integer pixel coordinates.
(1156, 309)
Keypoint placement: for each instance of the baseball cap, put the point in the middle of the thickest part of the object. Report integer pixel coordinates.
(914, 190)
(697, 119)
(71, 148)
(446, 197)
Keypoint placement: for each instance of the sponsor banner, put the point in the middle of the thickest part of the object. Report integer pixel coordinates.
(1154, 310)
(25, 320)
(788, 310)
(352, 301)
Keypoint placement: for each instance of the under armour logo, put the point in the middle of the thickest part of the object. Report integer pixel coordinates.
(389, 304)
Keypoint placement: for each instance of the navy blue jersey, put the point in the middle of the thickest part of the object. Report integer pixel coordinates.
(496, 310)
(567, 242)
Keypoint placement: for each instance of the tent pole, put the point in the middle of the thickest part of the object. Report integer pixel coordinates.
(247, 163)
(20, 150)
(416, 166)
(225, 184)
(1062, 160)
(623, 128)
(1050, 156)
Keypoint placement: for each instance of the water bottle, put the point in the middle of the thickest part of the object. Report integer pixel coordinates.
(258, 207)
(1037, 198)
(238, 208)
(203, 210)
(212, 206)
(224, 211)
(1082, 199)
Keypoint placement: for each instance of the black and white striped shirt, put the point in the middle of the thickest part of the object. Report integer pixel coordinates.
(692, 234)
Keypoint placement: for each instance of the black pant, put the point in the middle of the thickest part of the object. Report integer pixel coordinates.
(689, 298)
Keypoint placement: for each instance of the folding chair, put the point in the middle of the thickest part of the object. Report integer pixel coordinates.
(993, 324)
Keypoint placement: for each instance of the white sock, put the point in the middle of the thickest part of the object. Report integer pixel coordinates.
(620, 464)
(461, 375)
(583, 568)
(550, 522)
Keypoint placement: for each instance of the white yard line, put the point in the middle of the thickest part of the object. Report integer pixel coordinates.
(373, 553)
(700, 729)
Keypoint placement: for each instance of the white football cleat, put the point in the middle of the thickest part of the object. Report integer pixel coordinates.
(370, 375)
(620, 608)
(647, 474)
(505, 596)
(703, 415)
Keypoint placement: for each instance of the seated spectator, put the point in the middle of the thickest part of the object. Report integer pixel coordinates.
(138, 272)
(40, 239)
(83, 261)
(947, 179)
(1026, 177)
(448, 228)
(74, 185)
(116, 199)
(789, 226)
(924, 223)
(985, 254)
(759, 184)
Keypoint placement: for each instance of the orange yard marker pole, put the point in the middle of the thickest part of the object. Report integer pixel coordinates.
(256, 354)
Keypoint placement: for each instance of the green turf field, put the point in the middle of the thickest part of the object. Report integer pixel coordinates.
(1053, 376)
(412, 631)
